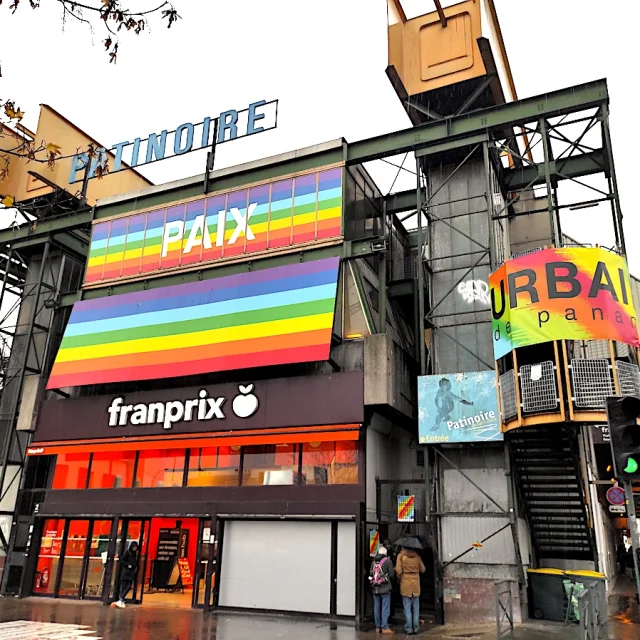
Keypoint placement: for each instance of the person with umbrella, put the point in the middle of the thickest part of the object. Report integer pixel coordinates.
(409, 566)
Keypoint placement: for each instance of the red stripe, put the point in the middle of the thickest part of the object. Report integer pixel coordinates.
(227, 363)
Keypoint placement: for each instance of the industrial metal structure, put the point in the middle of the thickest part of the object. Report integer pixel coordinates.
(488, 172)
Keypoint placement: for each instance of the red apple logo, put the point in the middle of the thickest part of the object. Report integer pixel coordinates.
(245, 404)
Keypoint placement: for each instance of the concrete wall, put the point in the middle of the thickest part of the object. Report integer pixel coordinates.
(391, 455)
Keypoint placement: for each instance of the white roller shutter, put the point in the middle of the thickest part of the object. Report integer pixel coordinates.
(283, 566)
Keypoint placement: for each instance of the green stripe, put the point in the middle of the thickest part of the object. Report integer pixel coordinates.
(304, 208)
(203, 324)
(329, 204)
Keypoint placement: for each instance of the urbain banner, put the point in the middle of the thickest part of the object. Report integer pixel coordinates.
(573, 293)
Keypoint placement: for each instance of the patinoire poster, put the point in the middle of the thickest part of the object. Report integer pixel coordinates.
(458, 407)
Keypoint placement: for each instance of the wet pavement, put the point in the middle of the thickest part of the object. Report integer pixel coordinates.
(45, 619)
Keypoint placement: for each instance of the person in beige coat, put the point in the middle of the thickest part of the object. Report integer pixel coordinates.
(409, 566)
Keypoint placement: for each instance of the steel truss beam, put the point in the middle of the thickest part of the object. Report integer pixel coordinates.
(494, 120)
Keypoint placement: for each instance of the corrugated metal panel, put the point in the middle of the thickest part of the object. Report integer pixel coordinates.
(459, 533)
(462, 204)
(461, 495)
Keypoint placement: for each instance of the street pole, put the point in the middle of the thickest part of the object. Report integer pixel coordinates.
(633, 529)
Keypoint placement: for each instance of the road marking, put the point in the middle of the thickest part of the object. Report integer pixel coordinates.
(29, 630)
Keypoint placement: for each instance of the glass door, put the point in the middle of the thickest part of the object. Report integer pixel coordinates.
(202, 562)
(131, 531)
(96, 559)
(73, 561)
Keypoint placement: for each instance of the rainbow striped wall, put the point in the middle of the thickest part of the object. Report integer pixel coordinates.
(302, 210)
(273, 316)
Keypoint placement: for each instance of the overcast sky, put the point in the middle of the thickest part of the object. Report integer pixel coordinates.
(324, 61)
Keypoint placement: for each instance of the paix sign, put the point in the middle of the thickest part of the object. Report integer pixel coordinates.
(301, 210)
(572, 293)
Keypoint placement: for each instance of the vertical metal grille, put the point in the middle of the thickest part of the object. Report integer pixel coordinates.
(628, 378)
(591, 349)
(508, 395)
(592, 383)
(538, 386)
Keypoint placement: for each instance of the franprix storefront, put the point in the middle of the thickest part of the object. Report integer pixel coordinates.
(240, 495)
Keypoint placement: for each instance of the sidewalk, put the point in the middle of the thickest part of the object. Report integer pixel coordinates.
(40, 618)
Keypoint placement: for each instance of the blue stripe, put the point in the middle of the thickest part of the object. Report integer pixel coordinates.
(237, 305)
(186, 299)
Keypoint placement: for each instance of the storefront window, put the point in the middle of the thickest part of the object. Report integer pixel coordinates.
(97, 561)
(71, 471)
(112, 470)
(214, 467)
(163, 468)
(270, 464)
(73, 558)
(49, 557)
(330, 463)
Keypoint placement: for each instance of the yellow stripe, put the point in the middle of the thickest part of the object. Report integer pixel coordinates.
(326, 214)
(198, 338)
(304, 218)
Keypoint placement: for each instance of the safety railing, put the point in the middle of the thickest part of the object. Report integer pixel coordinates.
(593, 612)
(504, 609)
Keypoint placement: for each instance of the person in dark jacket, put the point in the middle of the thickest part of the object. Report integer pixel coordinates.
(395, 592)
(380, 576)
(128, 569)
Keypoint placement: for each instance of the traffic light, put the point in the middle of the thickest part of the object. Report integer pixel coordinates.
(625, 436)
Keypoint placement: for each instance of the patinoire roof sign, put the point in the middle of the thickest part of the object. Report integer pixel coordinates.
(230, 125)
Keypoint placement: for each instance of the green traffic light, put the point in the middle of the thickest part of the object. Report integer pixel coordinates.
(632, 466)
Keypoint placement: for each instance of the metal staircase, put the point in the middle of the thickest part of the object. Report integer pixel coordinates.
(546, 464)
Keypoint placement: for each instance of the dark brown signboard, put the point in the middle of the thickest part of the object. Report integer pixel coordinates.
(281, 402)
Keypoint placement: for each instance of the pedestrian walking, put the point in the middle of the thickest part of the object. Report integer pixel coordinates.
(409, 566)
(128, 568)
(381, 577)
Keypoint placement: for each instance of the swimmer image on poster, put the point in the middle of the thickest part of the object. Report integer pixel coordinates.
(444, 402)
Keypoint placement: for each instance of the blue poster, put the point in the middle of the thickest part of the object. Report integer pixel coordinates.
(458, 407)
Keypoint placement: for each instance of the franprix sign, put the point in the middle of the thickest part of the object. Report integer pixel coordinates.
(203, 407)
(573, 293)
(229, 125)
(324, 400)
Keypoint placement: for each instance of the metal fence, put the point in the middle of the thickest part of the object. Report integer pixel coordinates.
(508, 395)
(592, 383)
(538, 384)
(504, 609)
(593, 612)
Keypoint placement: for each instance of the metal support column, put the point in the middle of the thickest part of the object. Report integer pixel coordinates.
(513, 521)
(423, 355)
(489, 196)
(613, 181)
(551, 204)
(633, 528)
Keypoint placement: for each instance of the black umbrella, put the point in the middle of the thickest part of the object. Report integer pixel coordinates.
(409, 543)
